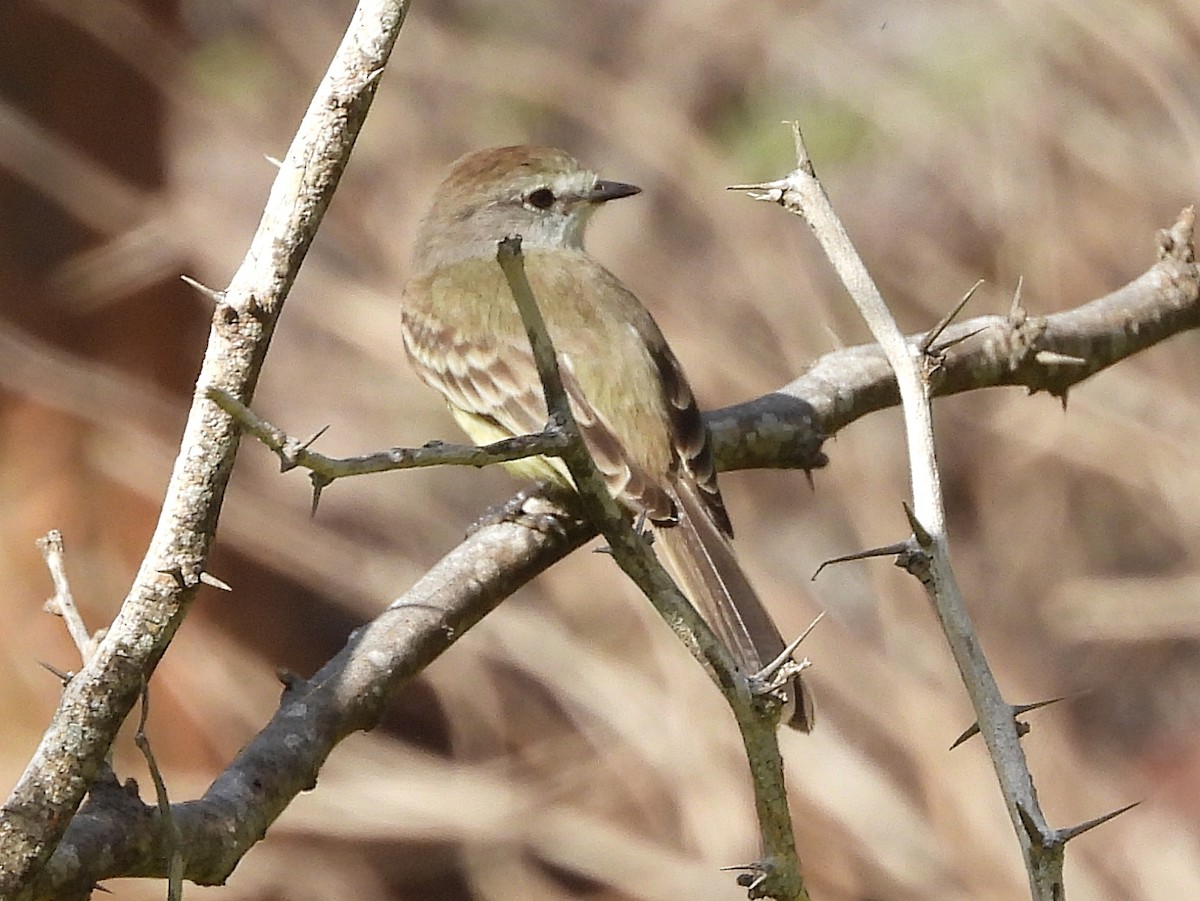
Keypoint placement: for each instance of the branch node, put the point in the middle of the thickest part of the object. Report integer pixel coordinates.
(1177, 242)
(1036, 836)
(916, 561)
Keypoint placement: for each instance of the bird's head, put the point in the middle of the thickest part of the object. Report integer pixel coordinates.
(540, 193)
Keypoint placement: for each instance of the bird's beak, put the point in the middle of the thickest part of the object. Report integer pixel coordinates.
(604, 191)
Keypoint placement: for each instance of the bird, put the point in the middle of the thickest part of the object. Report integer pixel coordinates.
(636, 411)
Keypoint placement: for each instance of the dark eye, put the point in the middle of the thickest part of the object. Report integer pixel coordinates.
(542, 198)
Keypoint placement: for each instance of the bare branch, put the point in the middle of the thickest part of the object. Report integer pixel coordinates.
(63, 602)
(778, 874)
(929, 559)
(98, 699)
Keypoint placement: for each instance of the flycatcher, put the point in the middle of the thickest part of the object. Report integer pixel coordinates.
(629, 395)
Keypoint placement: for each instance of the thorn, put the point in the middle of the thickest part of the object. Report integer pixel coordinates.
(923, 537)
(306, 444)
(802, 160)
(1052, 358)
(213, 295)
(772, 192)
(1020, 709)
(372, 76)
(927, 341)
(750, 875)
(1065, 835)
(1016, 315)
(971, 732)
(63, 676)
(289, 680)
(97, 887)
(1063, 398)
(884, 551)
(175, 571)
(1022, 728)
(274, 161)
(603, 549)
(808, 477)
(756, 867)
(209, 579)
(255, 307)
(1016, 710)
(953, 342)
(319, 483)
(767, 673)
(816, 620)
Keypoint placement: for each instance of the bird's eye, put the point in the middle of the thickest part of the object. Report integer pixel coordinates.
(542, 198)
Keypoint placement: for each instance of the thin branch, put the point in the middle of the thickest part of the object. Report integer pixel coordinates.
(929, 557)
(163, 803)
(293, 452)
(778, 874)
(63, 602)
(98, 699)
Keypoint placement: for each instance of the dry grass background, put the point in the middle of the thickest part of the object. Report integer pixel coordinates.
(567, 748)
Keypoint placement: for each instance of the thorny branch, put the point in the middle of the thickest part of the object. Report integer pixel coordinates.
(97, 700)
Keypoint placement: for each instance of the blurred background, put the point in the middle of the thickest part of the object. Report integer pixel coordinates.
(568, 747)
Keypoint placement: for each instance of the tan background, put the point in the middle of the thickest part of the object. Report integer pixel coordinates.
(567, 748)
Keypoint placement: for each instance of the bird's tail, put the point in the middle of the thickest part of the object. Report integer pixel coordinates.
(701, 558)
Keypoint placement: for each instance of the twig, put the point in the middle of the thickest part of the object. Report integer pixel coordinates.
(173, 840)
(98, 699)
(778, 874)
(294, 452)
(63, 602)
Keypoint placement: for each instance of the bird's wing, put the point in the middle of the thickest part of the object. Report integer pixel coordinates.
(497, 380)
(699, 550)
(690, 438)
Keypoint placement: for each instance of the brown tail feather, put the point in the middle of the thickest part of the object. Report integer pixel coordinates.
(701, 558)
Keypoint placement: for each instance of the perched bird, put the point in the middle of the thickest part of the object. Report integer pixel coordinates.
(628, 393)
